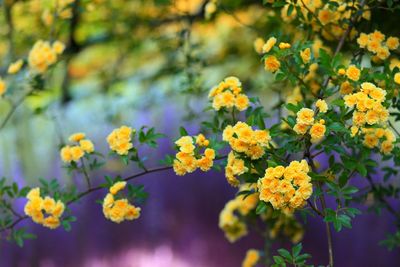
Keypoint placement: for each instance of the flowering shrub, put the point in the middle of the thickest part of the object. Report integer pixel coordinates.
(334, 121)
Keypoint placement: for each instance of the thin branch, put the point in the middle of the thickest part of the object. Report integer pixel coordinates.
(85, 173)
(14, 108)
(343, 39)
(323, 205)
(97, 188)
(388, 206)
(315, 209)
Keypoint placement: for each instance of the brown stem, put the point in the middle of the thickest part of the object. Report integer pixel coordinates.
(323, 204)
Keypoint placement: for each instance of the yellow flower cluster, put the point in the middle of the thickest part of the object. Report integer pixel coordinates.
(76, 152)
(287, 225)
(375, 43)
(251, 259)
(63, 10)
(234, 167)
(305, 122)
(369, 111)
(374, 137)
(43, 55)
(368, 105)
(120, 140)
(228, 94)
(325, 18)
(187, 160)
(120, 209)
(37, 207)
(229, 221)
(15, 67)
(3, 87)
(286, 188)
(243, 139)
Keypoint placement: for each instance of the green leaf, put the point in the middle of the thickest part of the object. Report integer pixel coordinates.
(296, 250)
(183, 131)
(261, 207)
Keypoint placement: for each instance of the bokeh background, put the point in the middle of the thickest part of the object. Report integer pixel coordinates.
(147, 63)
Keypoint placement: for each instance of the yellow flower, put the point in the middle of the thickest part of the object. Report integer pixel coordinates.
(86, 146)
(284, 46)
(396, 79)
(51, 222)
(354, 130)
(305, 55)
(386, 147)
(118, 186)
(377, 35)
(346, 88)
(47, 17)
(76, 153)
(15, 67)
(76, 137)
(392, 43)
(269, 44)
(272, 64)
(370, 140)
(58, 47)
(65, 154)
(382, 53)
(317, 132)
(325, 16)
(242, 102)
(3, 87)
(251, 259)
(305, 116)
(363, 40)
(321, 105)
(373, 46)
(258, 45)
(372, 117)
(300, 128)
(353, 73)
(341, 71)
(209, 153)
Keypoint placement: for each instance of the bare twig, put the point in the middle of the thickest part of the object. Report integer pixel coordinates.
(14, 108)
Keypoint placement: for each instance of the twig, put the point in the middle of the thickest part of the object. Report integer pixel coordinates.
(14, 108)
(97, 188)
(323, 204)
(342, 40)
(382, 199)
(315, 209)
